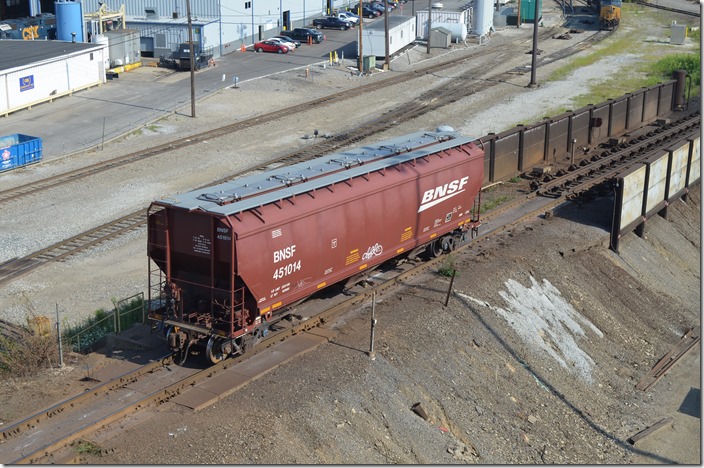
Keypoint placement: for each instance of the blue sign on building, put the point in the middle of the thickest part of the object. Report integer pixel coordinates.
(27, 83)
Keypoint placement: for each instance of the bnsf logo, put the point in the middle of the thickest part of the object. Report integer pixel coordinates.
(441, 193)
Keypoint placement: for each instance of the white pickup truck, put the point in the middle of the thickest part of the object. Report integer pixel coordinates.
(347, 16)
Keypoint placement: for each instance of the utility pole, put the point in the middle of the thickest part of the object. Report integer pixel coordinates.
(532, 83)
(430, 19)
(359, 54)
(58, 334)
(192, 60)
(386, 33)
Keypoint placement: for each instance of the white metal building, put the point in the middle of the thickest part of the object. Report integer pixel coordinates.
(38, 71)
(402, 32)
(224, 25)
(461, 17)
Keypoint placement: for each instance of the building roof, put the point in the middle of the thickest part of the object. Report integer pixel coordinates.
(445, 31)
(253, 191)
(162, 20)
(394, 20)
(17, 53)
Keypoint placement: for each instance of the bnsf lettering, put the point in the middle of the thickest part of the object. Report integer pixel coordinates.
(283, 254)
(442, 191)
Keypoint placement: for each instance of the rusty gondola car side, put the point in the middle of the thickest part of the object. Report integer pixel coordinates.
(227, 260)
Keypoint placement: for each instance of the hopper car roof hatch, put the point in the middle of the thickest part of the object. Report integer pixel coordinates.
(253, 191)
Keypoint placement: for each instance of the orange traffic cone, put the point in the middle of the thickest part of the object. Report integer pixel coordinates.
(242, 48)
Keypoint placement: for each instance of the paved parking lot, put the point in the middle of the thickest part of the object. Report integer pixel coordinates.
(89, 118)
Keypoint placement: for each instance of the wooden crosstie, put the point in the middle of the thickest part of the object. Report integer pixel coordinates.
(687, 342)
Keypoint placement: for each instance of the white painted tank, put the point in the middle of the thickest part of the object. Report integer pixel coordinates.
(103, 40)
(458, 30)
(483, 17)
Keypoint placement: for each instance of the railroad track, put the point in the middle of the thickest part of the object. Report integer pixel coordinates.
(394, 80)
(17, 267)
(605, 164)
(11, 331)
(663, 7)
(457, 88)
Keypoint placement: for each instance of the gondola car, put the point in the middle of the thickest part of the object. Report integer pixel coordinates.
(226, 261)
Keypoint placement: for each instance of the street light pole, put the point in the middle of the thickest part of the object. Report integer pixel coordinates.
(192, 60)
(535, 47)
(430, 19)
(359, 50)
(386, 33)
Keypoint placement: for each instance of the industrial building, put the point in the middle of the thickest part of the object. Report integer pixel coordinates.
(39, 71)
(218, 26)
(221, 26)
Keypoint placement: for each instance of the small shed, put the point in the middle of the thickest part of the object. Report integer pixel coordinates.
(440, 38)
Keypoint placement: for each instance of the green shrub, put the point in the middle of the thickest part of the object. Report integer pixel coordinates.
(86, 447)
(691, 63)
(447, 266)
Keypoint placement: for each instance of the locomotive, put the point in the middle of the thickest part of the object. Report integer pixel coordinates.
(609, 13)
(228, 261)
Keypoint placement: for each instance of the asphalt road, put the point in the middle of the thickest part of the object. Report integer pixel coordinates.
(91, 117)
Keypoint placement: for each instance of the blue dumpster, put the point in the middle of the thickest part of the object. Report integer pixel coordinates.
(19, 150)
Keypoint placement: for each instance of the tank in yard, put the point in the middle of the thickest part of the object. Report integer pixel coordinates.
(227, 260)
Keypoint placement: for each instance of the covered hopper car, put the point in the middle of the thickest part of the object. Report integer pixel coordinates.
(227, 261)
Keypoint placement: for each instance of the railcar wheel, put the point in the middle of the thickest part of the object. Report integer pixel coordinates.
(448, 243)
(181, 355)
(435, 248)
(213, 350)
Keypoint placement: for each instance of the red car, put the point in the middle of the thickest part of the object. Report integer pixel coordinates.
(270, 46)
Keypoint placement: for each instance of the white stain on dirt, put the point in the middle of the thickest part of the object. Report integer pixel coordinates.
(547, 322)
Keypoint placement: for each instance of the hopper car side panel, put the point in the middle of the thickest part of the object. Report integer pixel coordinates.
(334, 233)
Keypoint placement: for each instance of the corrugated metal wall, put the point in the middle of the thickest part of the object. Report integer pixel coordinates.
(40, 83)
(237, 22)
(645, 191)
(519, 149)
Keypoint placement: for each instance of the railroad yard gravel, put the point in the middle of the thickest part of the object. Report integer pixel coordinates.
(563, 393)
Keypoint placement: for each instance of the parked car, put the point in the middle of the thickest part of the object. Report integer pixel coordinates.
(291, 46)
(391, 5)
(288, 40)
(270, 46)
(332, 22)
(348, 16)
(378, 6)
(302, 34)
(367, 11)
